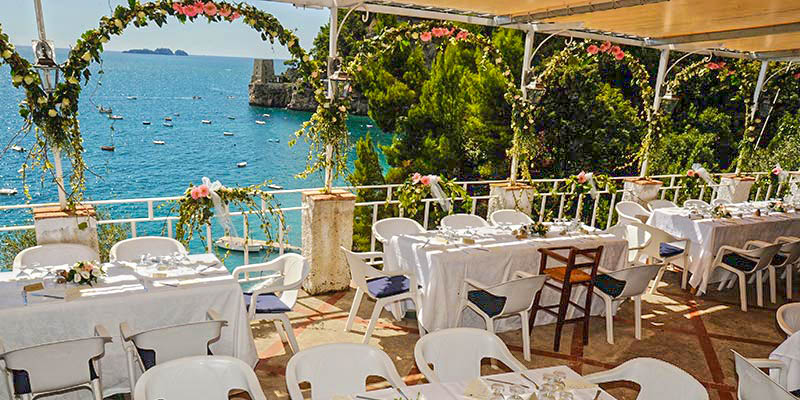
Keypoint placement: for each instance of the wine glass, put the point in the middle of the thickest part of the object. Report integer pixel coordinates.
(516, 392)
(497, 392)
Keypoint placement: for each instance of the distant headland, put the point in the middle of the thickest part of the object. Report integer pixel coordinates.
(160, 51)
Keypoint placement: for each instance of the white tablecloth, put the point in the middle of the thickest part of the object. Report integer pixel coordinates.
(441, 270)
(125, 296)
(789, 353)
(446, 391)
(708, 235)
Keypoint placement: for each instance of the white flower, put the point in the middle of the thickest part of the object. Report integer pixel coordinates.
(52, 113)
(327, 105)
(29, 79)
(118, 23)
(65, 102)
(140, 14)
(7, 54)
(103, 39)
(291, 43)
(305, 58)
(76, 278)
(87, 56)
(85, 275)
(333, 120)
(342, 108)
(16, 79)
(96, 272)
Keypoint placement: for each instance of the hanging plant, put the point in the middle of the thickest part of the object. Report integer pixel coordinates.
(418, 187)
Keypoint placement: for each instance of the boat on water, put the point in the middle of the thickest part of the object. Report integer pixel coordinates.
(206, 121)
(145, 122)
(274, 186)
(168, 125)
(196, 97)
(18, 149)
(8, 191)
(231, 118)
(107, 148)
(260, 122)
(103, 110)
(237, 244)
(159, 142)
(132, 97)
(265, 115)
(167, 118)
(242, 164)
(227, 133)
(115, 117)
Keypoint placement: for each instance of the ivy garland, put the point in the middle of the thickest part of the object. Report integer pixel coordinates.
(417, 187)
(55, 116)
(579, 185)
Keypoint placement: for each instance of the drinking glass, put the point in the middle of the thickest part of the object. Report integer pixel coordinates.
(497, 392)
(565, 396)
(516, 392)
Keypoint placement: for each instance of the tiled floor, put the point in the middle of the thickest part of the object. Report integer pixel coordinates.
(694, 333)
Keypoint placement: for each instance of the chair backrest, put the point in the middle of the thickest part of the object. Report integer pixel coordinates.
(659, 203)
(636, 278)
(695, 203)
(358, 269)
(338, 369)
(719, 201)
(463, 221)
(657, 379)
(519, 293)
(54, 254)
(386, 228)
(792, 252)
(788, 316)
(765, 255)
(456, 354)
(58, 365)
(509, 217)
(295, 270)
(173, 342)
(133, 249)
(200, 377)
(631, 211)
(754, 384)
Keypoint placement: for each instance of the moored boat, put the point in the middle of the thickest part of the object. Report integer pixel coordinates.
(107, 148)
(8, 191)
(242, 164)
(159, 142)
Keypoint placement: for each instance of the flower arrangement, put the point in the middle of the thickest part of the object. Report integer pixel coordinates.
(720, 211)
(82, 273)
(537, 228)
(778, 207)
(419, 186)
(581, 184)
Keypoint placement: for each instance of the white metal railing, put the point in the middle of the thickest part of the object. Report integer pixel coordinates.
(546, 196)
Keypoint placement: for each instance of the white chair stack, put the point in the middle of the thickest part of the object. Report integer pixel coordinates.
(54, 254)
(199, 377)
(133, 249)
(743, 262)
(275, 291)
(463, 221)
(636, 279)
(509, 217)
(658, 380)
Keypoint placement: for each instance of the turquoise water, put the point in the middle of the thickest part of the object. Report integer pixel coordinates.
(164, 86)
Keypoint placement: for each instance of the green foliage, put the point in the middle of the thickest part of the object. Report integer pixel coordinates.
(367, 171)
(418, 187)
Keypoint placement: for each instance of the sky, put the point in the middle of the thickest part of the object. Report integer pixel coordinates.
(65, 20)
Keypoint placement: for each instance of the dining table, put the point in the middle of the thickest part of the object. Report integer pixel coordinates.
(489, 255)
(528, 380)
(707, 234)
(148, 294)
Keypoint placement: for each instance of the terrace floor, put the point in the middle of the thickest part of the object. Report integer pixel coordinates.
(694, 333)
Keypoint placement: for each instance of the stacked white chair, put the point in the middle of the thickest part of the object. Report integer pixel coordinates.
(199, 377)
(385, 288)
(463, 221)
(503, 300)
(148, 348)
(660, 203)
(696, 203)
(635, 281)
(754, 384)
(787, 260)
(743, 262)
(629, 211)
(788, 316)
(274, 293)
(56, 367)
(387, 228)
(133, 249)
(54, 254)
(658, 380)
(510, 217)
(456, 354)
(664, 248)
(339, 369)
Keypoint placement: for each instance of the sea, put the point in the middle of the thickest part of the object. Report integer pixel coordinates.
(188, 89)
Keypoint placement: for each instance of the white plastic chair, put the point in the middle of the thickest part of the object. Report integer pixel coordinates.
(199, 377)
(754, 384)
(658, 380)
(385, 288)
(463, 221)
(456, 354)
(387, 228)
(509, 217)
(152, 347)
(720, 202)
(786, 259)
(338, 369)
(653, 205)
(54, 254)
(503, 300)
(696, 203)
(56, 367)
(631, 211)
(636, 281)
(133, 249)
(742, 262)
(628, 233)
(788, 316)
(275, 293)
(664, 248)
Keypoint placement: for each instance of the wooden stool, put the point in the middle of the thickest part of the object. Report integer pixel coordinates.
(570, 274)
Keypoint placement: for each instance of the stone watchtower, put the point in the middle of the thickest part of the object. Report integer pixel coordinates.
(265, 89)
(263, 71)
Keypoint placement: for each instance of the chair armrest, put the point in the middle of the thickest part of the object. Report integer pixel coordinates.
(370, 254)
(245, 269)
(751, 244)
(477, 285)
(213, 315)
(787, 239)
(101, 331)
(125, 331)
(523, 274)
(767, 363)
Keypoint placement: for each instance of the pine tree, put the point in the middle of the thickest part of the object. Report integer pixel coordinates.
(367, 171)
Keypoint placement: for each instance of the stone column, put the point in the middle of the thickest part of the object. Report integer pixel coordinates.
(504, 196)
(735, 189)
(327, 225)
(641, 190)
(54, 225)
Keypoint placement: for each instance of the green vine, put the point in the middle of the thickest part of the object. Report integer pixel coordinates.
(418, 187)
(581, 185)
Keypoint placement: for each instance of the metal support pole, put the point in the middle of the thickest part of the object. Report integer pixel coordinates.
(62, 194)
(526, 65)
(332, 54)
(762, 76)
(662, 73)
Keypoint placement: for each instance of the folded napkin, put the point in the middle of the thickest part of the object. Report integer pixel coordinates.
(477, 389)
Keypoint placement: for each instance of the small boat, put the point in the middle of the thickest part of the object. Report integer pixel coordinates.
(18, 149)
(231, 97)
(102, 110)
(107, 148)
(206, 121)
(260, 122)
(159, 142)
(237, 244)
(231, 117)
(145, 122)
(8, 191)
(196, 97)
(265, 115)
(168, 124)
(115, 117)
(167, 118)
(132, 97)
(242, 164)
(274, 186)
(227, 133)
(277, 140)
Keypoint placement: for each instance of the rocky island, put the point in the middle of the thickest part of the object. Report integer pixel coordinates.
(159, 51)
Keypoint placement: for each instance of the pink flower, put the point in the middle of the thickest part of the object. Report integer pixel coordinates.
(203, 191)
(721, 64)
(224, 12)
(462, 35)
(582, 177)
(210, 9)
(439, 32)
(425, 36)
(592, 49)
(777, 171)
(690, 173)
(450, 31)
(797, 75)
(619, 55)
(235, 16)
(178, 7)
(712, 65)
(195, 193)
(416, 178)
(192, 10)
(426, 180)
(614, 50)
(605, 46)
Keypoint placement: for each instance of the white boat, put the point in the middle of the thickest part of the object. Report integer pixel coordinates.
(231, 117)
(167, 118)
(8, 191)
(237, 244)
(265, 115)
(242, 164)
(369, 126)
(168, 124)
(132, 97)
(206, 121)
(274, 186)
(18, 149)
(115, 117)
(227, 133)
(277, 140)
(145, 122)
(159, 142)
(260, 122)
(102, 110)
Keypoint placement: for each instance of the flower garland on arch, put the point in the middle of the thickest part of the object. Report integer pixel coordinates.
(55, 116)
(417, 187)
(582, 184)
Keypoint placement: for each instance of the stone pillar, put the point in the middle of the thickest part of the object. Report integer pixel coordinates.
(504, 196)
(735, 189)
(54, 225)
(327, 225)
(641, 190)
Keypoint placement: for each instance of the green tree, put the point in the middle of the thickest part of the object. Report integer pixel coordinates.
(367, 171)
